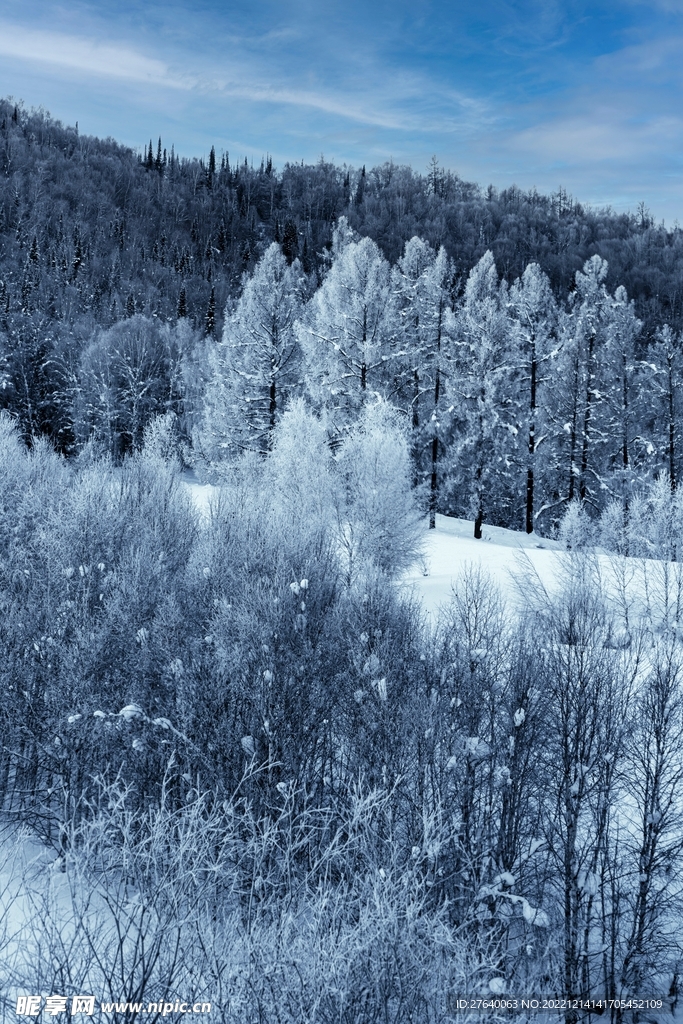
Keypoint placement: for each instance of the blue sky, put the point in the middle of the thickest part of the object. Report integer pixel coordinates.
(582, 94)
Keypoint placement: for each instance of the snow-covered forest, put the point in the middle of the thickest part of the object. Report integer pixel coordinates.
(241, 761)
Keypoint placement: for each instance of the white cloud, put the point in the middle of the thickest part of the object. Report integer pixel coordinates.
(598, 138)
(85, 55)
(405, 103)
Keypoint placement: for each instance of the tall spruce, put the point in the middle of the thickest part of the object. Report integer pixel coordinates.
(422, 281)
(480, 392)
(256, 368)
(349, 328)
(534, 315)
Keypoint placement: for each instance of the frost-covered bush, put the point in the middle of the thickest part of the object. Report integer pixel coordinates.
(300, 484)
(217, 905)
(387, 794)
(576, 529)
(378, 517)
(650, 526)
(612, 531)
(129, 373)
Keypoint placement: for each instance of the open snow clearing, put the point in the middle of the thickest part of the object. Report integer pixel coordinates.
(527, 567)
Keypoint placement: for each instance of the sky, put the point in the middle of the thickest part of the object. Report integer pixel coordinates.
(538, 93)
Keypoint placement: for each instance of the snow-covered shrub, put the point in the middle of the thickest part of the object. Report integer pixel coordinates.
(576, 529)
(651, 526)
(666, 526)
(161, 439)
(612, 528)
(378, 518)
(299, 483)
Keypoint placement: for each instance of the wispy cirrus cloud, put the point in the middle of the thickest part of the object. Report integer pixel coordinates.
(88, 56)
(392, 109)
(600, 137)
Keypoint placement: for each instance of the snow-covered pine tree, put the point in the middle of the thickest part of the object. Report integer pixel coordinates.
(256, 368)
(665, 363)
(534, 312)
(348, 330)
(422, 283)
(584, 351)
(485, 446)
(618, 376)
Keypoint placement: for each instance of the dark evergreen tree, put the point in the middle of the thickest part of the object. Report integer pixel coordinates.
(210, 319)
(360, 188)
(290, 241)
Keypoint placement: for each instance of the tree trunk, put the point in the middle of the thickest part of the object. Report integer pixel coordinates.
(624, 418)
(672, 426)
(587, 418)
(435, 455)
(363, 365)
(432, 492)
(480, 506)
(416, 397)
(272, 407)
(532, 447)
(572, 444)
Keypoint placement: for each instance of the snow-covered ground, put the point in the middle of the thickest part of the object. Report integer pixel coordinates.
(513, 560)
(201, 493)
(523, 567)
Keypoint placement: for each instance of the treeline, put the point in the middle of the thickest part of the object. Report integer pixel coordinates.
(272, 785)
(91, 234)
(516, 403)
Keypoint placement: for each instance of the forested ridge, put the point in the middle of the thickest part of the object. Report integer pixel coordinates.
(92, 234)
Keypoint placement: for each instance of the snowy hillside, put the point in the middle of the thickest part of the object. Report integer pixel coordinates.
(506, 556)
(525, 568)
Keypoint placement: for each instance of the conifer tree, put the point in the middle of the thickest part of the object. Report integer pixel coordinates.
(618, 377)
(256, 368)
(480, 386)
(360, 188)
(348, 331)
(534, 315)
(290, 241)
(210, 319)
(592, 316)
(422, 280)
(580, 435)
(665, 362)
(77, 261)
